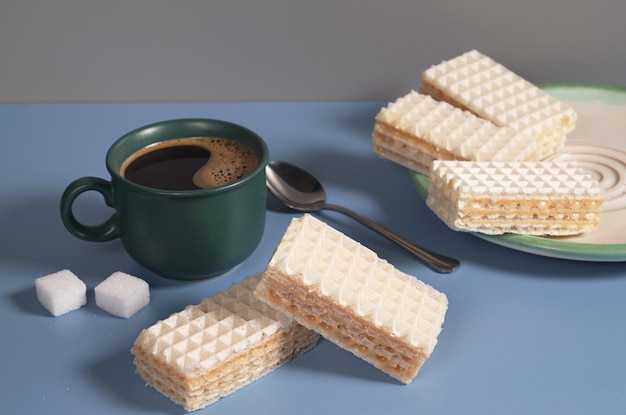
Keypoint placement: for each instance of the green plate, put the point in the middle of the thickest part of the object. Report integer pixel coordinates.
(599, 145)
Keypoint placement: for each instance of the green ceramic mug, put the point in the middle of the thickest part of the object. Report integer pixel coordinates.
(181, 234)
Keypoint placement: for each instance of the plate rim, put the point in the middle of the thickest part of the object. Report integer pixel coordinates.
(582, 85)
(541, 245)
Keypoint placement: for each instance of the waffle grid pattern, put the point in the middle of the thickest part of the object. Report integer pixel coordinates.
(446, 132)
(491, 91)
(206, 334)
(537, 198)
(352, 276)
(210, 350)
(536, 178)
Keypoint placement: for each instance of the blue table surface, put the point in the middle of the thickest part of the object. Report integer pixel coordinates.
(524, 334)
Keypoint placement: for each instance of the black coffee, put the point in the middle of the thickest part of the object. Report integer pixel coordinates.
(190, 163)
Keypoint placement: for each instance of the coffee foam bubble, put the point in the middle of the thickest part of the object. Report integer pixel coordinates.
(230, 161)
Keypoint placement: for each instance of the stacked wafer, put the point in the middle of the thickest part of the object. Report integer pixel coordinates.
(209, 350)
(471, 108)
(474, 111)
(477, 83)
(416, 129)
(336, 286)
(533, 198)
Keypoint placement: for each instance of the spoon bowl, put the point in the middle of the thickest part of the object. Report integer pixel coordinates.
(300, 190)
(296, 188)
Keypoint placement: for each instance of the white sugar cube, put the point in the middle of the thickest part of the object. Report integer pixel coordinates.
(61, 292)
(122, 294)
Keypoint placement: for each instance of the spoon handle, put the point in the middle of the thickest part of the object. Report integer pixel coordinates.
(438, 262)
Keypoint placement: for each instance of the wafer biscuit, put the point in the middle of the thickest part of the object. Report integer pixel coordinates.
(212, 349)
(343, 290)
(477, 83)
(533, 198)
(415, 129)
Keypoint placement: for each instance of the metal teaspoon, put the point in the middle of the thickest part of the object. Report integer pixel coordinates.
(300, 190)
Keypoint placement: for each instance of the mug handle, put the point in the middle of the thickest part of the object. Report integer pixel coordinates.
(98, 233)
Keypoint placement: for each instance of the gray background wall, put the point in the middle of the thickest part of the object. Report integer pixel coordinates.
(223, 50)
